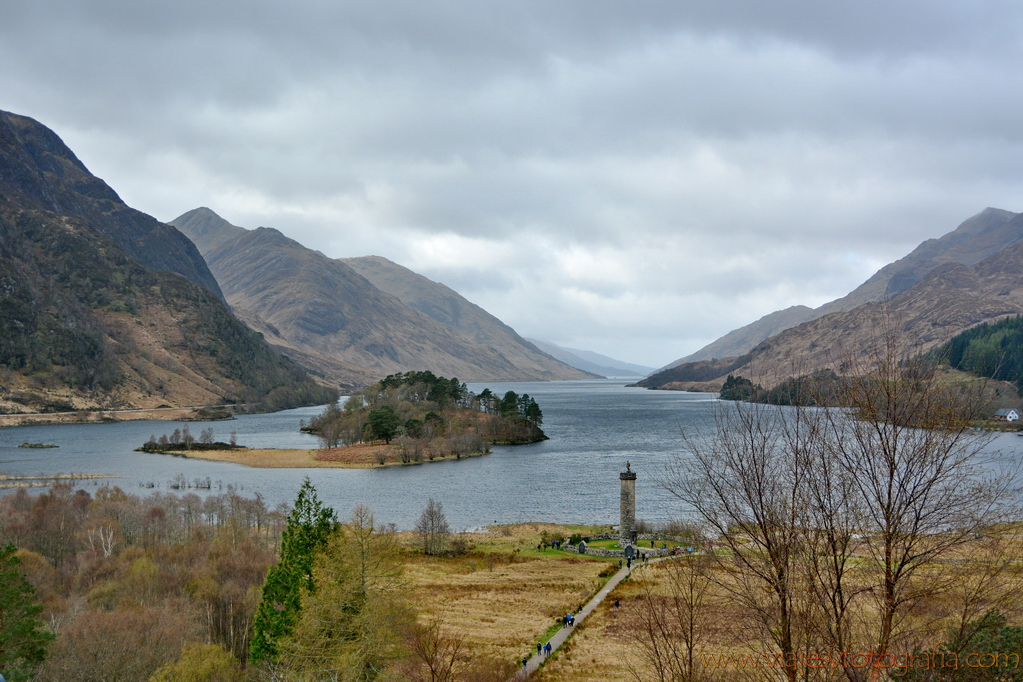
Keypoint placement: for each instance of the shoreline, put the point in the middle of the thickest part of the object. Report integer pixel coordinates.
(173, 414)
(350, 457)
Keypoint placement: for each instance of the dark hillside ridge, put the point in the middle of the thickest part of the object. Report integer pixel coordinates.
(84, 324)
(39, 171)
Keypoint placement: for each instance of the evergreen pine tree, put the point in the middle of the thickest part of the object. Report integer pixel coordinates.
(23, 640)
(310, 525)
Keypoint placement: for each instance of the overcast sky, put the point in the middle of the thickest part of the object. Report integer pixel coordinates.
(632, 178)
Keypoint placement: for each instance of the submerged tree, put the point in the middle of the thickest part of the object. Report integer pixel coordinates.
(309, 526)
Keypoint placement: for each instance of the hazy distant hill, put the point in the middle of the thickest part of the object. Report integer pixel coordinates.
(950, 298)
(467, 319)
(104, 306)
(974, 240)
(593, 362)
(331, 318)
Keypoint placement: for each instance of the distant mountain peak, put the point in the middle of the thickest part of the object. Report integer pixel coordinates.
(593, 362)
(357, 317)
(966, 277)
(972, 241)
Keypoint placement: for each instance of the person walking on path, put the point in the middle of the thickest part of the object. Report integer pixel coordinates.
(531, 664)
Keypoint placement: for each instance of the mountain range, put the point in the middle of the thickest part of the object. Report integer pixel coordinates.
(356, 320)
(593, 362)
(971, 275)
(105, 307)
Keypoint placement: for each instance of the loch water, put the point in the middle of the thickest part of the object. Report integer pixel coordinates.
(595, 427)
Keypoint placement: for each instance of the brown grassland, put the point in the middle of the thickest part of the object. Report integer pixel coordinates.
(962, 588)
(503, 595)
(99, 416)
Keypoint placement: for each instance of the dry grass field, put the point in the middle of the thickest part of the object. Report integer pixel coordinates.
(604, 647)
(94, 416)
(977, 577)
(503, 595)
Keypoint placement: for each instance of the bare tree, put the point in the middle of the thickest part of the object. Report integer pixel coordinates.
(186, 437)
(744, 484)
(888, 484)
(432, 528)
(433, 656)
(669, 623)
(328, 425)
(917, 470)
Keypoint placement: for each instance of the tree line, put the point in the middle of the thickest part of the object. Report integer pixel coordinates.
(125, 582)
(993, 350)
(113, 587)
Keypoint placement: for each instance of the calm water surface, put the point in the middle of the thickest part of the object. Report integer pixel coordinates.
(594, 427)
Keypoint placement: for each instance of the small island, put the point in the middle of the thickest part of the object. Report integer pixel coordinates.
(38, 445)
(406, 418)
(420, 417)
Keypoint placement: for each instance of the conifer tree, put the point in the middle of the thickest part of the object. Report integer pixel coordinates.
(309, 526)
(23, 640)
(350, 628)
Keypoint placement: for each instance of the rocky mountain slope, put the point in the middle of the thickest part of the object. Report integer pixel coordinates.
(974, 240)
(950, 298)
(102, 306)
(40, 172)
(327, 316)
(466, 319)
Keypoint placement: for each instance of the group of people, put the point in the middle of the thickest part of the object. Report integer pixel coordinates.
(541, 650)
(568, 620)
(628, 562)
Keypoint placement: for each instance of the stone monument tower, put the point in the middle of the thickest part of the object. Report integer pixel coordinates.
(627, 527)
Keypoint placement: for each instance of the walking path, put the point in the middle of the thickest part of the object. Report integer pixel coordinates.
(564, 633)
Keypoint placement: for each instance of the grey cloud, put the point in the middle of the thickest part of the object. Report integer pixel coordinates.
(712, 161)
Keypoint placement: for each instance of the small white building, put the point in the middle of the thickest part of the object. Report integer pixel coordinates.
(1006, 415)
